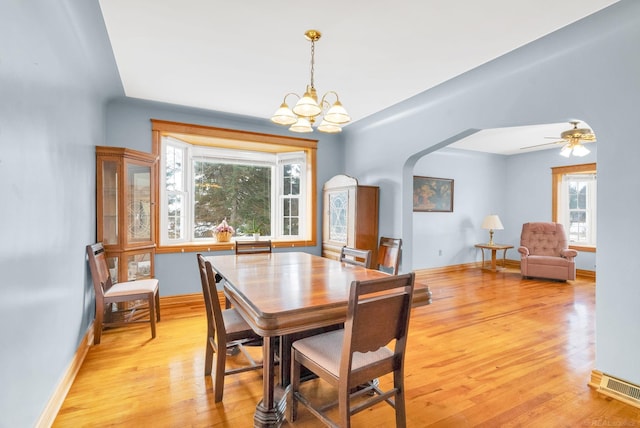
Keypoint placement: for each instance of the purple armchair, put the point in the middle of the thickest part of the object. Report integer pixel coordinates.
(545, 253)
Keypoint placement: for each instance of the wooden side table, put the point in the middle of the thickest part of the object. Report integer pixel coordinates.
(494, 249)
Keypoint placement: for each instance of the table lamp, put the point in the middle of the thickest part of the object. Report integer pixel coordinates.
(492, 222)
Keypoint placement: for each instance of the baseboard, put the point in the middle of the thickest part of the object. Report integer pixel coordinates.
(509, 264)
(50, 412)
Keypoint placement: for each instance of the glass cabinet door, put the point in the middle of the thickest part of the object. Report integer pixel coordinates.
(138, 208)
(110, 202)
(338, 216)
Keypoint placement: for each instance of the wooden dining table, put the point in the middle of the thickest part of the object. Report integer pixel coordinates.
(284, 294)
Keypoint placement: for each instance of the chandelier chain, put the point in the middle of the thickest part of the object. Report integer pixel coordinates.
(313, 51)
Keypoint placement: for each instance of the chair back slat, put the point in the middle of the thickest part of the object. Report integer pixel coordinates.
(378, 313)
(355, 256)
(215, 320)
(253, 247)
(389, 253)
(100, 274)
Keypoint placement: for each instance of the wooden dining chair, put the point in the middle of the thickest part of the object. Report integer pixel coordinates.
(253, 247)
(226, 329)
(389, 252)
(125, 296)
(372, 344)
(355, 256)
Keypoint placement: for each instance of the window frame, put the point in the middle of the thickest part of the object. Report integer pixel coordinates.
(200, 135)
(557, 174)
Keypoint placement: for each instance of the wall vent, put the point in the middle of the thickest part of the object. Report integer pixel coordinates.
(620, 389)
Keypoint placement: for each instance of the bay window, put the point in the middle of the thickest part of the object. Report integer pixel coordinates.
(257, 187)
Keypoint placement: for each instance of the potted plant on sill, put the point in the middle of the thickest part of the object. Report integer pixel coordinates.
(253, 229)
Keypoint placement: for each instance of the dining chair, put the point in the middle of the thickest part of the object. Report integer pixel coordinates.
(124, 295)
(389, 252)
(253, 247)
(226, 329)
(369, 346)
(355, 256)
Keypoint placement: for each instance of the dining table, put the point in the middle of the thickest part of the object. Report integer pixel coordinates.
(284, 294)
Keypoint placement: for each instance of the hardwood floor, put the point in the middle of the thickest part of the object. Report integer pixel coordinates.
(492, 350)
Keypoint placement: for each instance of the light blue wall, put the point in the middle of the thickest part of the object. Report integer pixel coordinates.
(517, 188)
(129, 125)
(444, 239)
(588, 71)
(528, 194)
(56, 70)
(55, 73)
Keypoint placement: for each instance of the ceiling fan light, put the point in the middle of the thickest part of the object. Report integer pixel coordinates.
(566, 151)
(302, 126)
(329, 127)
(337, 114)
(580, 150)
(284, 115)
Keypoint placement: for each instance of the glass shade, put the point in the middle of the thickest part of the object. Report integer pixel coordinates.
(302, 125)
(329, 127)
(307, 106)
(337, 114)
(284, 115)
(565, 151)
(580, 150)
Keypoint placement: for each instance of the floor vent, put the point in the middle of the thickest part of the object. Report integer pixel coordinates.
(621, 390)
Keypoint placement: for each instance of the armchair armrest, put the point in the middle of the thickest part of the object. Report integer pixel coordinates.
(568, 253)
(524, 251)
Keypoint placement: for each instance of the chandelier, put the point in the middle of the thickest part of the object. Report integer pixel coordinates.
(308, 110)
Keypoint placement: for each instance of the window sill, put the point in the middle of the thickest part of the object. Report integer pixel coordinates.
(189, 247)
(584, 248)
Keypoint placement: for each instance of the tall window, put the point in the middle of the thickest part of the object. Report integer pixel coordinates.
(263, 188)
(574, 203)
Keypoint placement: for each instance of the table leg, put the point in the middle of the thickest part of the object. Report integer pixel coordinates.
(493, 259)
(271, 409)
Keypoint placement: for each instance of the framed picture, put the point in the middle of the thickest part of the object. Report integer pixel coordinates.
(432, 194)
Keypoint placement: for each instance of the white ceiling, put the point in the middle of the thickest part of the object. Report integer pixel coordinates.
(242, 57)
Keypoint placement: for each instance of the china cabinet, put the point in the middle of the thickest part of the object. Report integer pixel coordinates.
(124, 208)
(350, 216)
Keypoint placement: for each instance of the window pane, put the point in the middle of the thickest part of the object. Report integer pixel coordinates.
(290, 226)
(174, 168)
(291, 179)
(175, 205)
(241, 194)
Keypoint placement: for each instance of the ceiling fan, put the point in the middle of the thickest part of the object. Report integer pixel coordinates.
(572, 140)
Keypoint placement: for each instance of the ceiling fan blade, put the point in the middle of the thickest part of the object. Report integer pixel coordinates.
(540, 145)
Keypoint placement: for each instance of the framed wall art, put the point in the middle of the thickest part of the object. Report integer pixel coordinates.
(432, 194)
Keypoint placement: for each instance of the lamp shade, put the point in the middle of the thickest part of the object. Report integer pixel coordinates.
(492, 222)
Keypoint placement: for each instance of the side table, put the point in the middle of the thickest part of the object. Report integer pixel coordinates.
(494, 249)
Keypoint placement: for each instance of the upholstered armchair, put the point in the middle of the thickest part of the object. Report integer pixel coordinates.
(545, 252)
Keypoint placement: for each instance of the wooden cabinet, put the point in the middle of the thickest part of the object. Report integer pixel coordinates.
(124, 209)
(350, 216)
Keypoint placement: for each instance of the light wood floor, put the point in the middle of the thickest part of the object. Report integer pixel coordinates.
(492, 350)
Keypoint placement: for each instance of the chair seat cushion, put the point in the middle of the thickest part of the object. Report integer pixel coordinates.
(233, 322)
(325, 349)
(133, 287)
(547, 260)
